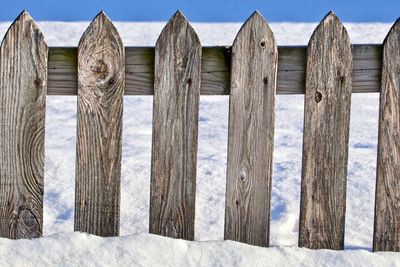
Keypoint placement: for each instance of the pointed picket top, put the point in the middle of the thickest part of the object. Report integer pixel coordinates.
(330, 23)
(101, 22)
(178, 24)
(22, 19)
(23, 16)
(393, 34)
(256, 21)
(178, 15)
(102, 47)
(329, 17)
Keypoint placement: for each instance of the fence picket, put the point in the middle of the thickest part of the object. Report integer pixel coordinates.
(387, 201)
(175, 123)
(23, 85)
(101, 78)
(326, 136)
(251, 133)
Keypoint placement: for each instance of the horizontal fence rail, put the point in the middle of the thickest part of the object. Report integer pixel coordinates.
(100, 71)
(215, 72)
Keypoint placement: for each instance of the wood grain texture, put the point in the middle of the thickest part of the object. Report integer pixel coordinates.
(387, 200)
(101, 77)
(215, 73)
(326, 136)
(175, 130)
(251, 133)
(23, 83)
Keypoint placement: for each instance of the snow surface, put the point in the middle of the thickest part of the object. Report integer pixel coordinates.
(61, 246)
(78, 249)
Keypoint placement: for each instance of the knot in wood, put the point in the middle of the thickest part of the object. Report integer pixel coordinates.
(37, 82)
(262, 44)
(242, 175)
(171, 230)
(340, 78)
(318, 97)
(180, 65)
(112, 81)
(27, 225)
(99, 70)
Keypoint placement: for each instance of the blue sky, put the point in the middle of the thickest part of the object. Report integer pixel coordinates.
(204, 10)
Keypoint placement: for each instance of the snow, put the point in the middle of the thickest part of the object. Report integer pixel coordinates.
(79, 249)
(146, 33)
(61, 246)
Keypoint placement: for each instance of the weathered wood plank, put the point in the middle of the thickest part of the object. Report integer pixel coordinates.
(387, 200)
(215, 76)
(326, 136)
(175, 126)
(251, 133)
(101, 77)
(23, 84)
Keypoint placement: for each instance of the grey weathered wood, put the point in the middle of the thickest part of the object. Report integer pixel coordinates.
(101, 77)
(326, 136)
(387, 201)
(215, 70)
(251, 133)
(175, 123)
(23, 83)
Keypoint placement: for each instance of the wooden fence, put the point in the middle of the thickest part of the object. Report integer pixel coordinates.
(100, 71)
